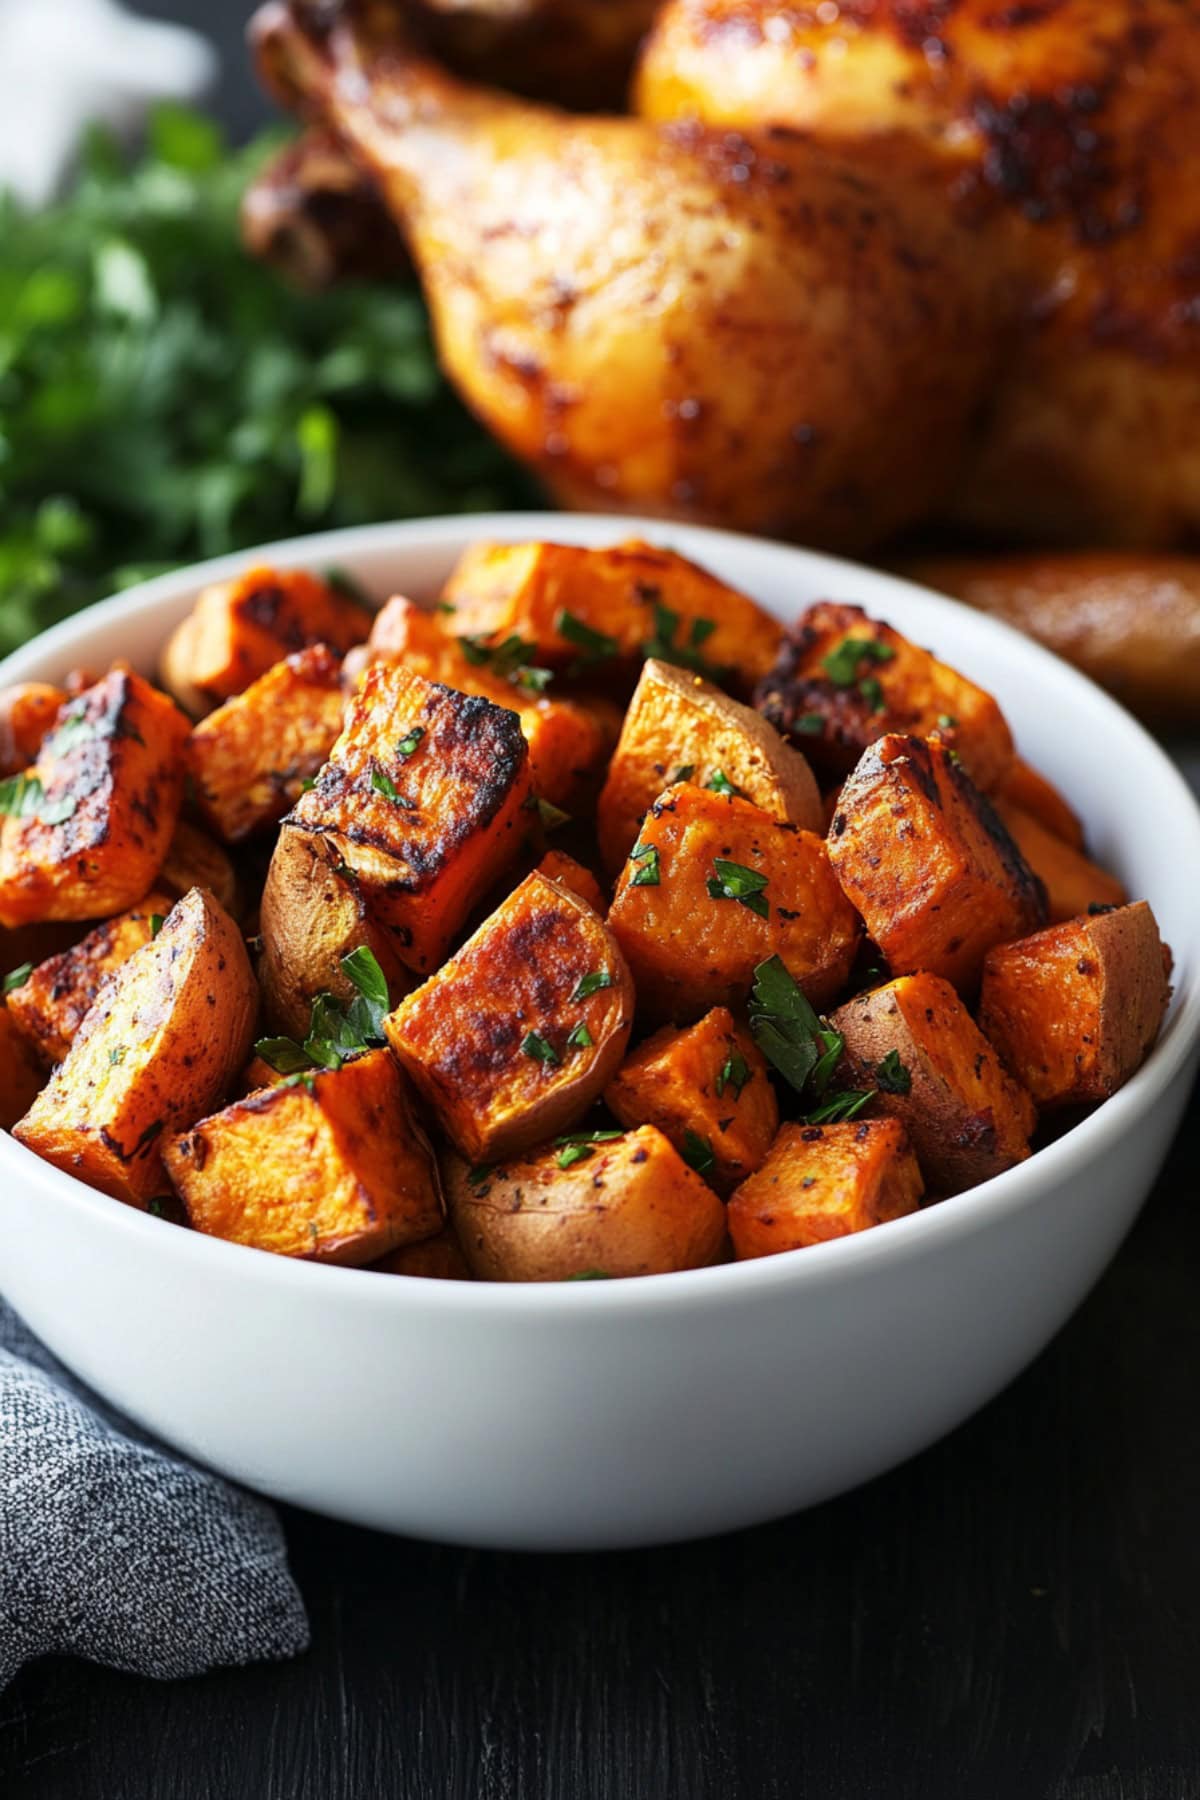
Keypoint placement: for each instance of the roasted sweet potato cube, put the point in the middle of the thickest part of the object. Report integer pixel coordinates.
(915, 1042)
(628, 1205)
(599, 611)
(1072, 882)
(49, 1008)
(21, 1074)
(426, 797)
(924, 858)
(28, 710)
(516, 1036)
(87, 828)
(332, 1167)
(843, 680)
(556, 865)
(1075, 1009)
(239, 629)
(825, 1181)
(706, 1088)
(712, 887)
(568, 741)
(680, 727)
(250, 759)
(312, 916)
(1026, 789)
(194, 859)
(437, 1258)
(161, 1045)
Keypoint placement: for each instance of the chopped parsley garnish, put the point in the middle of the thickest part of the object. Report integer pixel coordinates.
(733, 882)
(508, 659)
(734, 1073)
(342, 582)
(308, 784)
(589, 1275)
(410, 740)
(17, 977)
(841, 1106)
(117, 1055)
(872, 692)
(571, 1154)
(581, 1038)
(684, 772)
(892, 1075)
(721, 784)
(304, 1078)
(23, 797)
(594, 646)
(540, 1048)
(592, 983)
(577, 1146)
(336, 1032)
(383, 784)
(444, 606)
(156, 925)
(663, 645)
(550, 815)
(76, 728)
(843, 663)
(283, 1055)
(809, 724)
(478, 1174)
(793, 1038)
(947, 721)
(698, 1153)
(647, 872)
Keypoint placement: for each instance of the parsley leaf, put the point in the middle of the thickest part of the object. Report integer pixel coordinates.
(684, 772)
(550, 815)
(156, 925)
(539, 1047)
(839, 1107)
(721, 784)
(734, 882)
(793, 1037)
(810, 724)
(842, 664)
(410, 740)
(892, 1075)
(17, 977)
(698, 1153)
(594, 646)
(24, 797)
(383, 784)
(283, 1055)
(592, 984)
(647, 872)
(590, 1275)
(509, 660)
(734, 1073)
(663, 645)
(336, 1032)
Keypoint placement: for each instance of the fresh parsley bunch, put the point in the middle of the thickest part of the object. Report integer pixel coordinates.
(163, 397)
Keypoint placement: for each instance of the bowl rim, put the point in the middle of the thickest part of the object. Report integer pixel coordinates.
(834, 1261)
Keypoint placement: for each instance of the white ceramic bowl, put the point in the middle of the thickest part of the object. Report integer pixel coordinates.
(630, 1412)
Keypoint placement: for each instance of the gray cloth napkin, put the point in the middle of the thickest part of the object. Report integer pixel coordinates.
(117, 1549)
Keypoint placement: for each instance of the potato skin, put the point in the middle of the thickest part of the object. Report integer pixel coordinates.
(463, 1036)
(423, 858)
(825, 1181)
(1075, 1009)
(677, 720)
(633, 1207)
(250, 758)
(239, 629)
(690, 951)
(914, 695)
(115, 760)
(194, 859)
(27, 712)
(1023, 787)
(499, 589)
(677, 1081)
(924, 858)
(333, 1168)
(21, 1074)
(1071, 880)
(968, 1119)
(50, 1007)
(437, 1258)
(161, 1045)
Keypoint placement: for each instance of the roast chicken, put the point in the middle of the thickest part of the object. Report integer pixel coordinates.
(842, 270)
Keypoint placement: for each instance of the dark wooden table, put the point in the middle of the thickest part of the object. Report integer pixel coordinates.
(1015, 1614)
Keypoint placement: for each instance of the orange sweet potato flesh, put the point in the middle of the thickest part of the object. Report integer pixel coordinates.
(160, 1046)
(925, 860)
(1072, 882)
(437, 1258)
(426, 799)
(556, 865)
(333, 1168)
(249, 760)
(834, 706)
(967, 1117)
(239, 629)
(689, 950)
(498, 1042)
(629, 1207)
(21, 1074)
(1034, 795)
(110, 783)
(706, 1088)
(568, 741)
(679, 722)
(498, 590)
(825, 1181)
(1075, 1009)
(27, 712)
(50, 1007)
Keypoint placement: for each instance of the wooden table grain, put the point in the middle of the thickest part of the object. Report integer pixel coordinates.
(1015, 1613)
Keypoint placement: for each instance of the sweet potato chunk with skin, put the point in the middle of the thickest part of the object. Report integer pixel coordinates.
(1024, 788)
(627, 1207)
(556, 865)
(27, 712)
(21, 1074)
(88, 827)
(966, 1116)
(162, 1043)
(677, 721)
(834, 701)
(923, 857)
(706, 1088)
(568, 741)
(437, 1258)
(425, 797)
(50, 1007)
(239, 629)
(249, 760)
(1075, 1009)
(332, 1167)
(515, 1037)
(640, 600)
(691, 943)
(312, 915)
(825, 1181)
(1072, 882)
